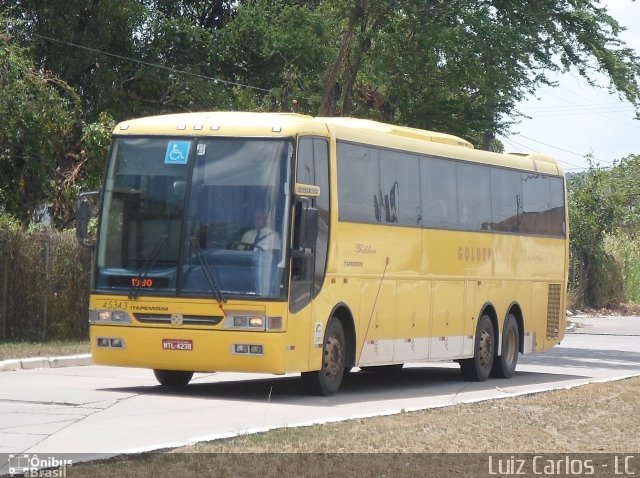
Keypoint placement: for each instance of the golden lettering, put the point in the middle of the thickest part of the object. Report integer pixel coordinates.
(474, 254)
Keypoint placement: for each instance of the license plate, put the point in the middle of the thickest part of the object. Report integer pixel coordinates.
(175, 344)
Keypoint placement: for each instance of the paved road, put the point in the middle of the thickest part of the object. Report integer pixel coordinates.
(95, 410)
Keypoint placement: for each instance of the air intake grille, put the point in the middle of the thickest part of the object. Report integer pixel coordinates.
(553, 311)
(186, 320)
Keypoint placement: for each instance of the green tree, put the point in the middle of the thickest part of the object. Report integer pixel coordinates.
(457, 65)
(460, 66)
(210, 15)
(128, 58)
(37, 115)
(625, 178)
(279, 49)
(595, 211)
(67, 38)
(82, 171)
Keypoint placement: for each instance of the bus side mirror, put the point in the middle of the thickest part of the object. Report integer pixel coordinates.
(310, 229)
(306, 232)
(84, 213)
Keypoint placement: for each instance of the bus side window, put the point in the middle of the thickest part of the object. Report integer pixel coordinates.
(400, 180)
(439, 193)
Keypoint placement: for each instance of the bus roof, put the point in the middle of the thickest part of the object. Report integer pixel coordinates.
(187, 122)
(213, 123)
(229, 123)
(403, 131)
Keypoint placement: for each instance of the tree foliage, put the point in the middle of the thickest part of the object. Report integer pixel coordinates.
(593, 213)
(461, 66)
(82, 171)
(451, 65)
(67, 38)
(602, 203)
(458, 66)
(37, 114)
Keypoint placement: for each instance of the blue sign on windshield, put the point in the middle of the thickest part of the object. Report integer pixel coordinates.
(177, 152)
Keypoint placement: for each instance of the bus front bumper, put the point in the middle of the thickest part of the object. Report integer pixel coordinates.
(193, 350)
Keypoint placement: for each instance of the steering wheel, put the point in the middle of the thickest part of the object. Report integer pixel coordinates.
(244, 246)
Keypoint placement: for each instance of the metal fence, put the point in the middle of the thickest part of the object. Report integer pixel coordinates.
(44, 286)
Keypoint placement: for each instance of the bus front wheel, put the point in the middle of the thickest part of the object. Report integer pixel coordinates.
(478, 368)
(327, 380)
(173, 378)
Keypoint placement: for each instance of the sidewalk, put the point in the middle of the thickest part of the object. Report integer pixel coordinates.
(45, 362)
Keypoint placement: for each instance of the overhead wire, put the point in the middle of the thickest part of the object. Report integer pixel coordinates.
(589, 109)
(618, 108)
(576, 110)
(519, 145)
(572, 108)
(550, 145)
(153, 65)
(513, 142)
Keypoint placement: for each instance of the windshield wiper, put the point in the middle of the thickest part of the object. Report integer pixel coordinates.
(147, 266)
(208, 272)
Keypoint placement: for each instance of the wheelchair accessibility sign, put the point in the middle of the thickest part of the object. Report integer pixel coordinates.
(177, 152)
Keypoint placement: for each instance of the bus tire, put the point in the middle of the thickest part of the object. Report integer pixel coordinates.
(327, 380)
(478, 368)
(173, 378)
(505, 365)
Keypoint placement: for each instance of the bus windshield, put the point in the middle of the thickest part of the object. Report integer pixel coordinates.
(195, 217)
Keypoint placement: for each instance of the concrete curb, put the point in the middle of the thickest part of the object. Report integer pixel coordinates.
(45, 362)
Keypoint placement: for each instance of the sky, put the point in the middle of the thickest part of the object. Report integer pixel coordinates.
(575, 119)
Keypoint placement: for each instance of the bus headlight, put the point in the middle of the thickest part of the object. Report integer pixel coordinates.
(110, 342)
(248, 322)
(253, 321)
(109, 316)
(248, 349)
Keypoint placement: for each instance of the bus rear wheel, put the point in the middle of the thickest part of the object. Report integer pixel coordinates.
(327, 380)
(478, 368)
(173, 378)
(505, 365)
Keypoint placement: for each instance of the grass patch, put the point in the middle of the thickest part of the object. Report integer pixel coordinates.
(20, 350)
(626, 251)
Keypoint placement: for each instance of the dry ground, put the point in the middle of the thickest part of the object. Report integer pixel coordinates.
(592, 419)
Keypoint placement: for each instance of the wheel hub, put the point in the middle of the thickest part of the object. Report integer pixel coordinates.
(486, 348)
(333, 357)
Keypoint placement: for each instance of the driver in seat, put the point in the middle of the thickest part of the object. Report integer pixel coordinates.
(262, 237)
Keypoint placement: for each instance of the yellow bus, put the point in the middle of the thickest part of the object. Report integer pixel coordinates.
(282, 243)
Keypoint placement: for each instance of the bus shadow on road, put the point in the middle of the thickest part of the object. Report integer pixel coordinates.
(437, 385)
